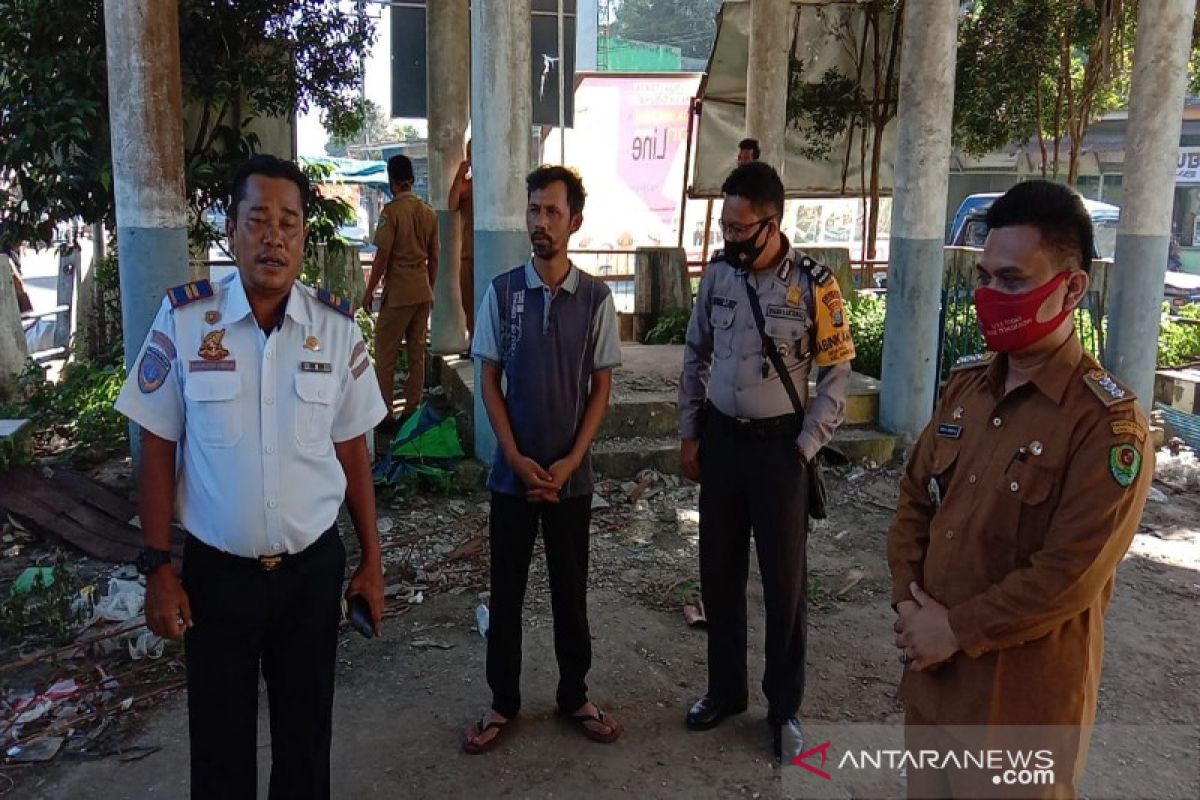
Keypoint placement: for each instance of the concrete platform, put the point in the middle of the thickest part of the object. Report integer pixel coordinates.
(641, 429)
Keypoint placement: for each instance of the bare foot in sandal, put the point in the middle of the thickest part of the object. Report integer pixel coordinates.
(596, 724)
(483, 734)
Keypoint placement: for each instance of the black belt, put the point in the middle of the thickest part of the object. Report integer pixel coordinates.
(781, 427)
(197, 548)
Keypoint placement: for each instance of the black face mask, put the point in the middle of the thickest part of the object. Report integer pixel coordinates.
(743, 254)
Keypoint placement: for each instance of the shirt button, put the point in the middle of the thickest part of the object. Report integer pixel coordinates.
(1014, 486)
(270, 401)
(268, 353)
(996, 422)
(270, 449)
(276, 547)
(972, 479)
(321, 393)
(271, 504)
(949, 534)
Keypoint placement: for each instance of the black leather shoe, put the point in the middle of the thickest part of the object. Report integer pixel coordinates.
(787, 739)
(708, 713)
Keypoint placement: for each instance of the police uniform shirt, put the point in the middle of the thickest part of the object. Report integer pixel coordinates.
(255, 416)
(724, 360)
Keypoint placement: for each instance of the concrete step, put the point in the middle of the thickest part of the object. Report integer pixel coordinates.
(626, 457)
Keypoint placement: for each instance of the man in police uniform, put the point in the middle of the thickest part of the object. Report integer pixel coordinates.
(1019, 500)
(254, 395)
(743, 441)
(406, 260)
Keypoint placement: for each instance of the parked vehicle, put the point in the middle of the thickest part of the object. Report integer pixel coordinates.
(969, 228)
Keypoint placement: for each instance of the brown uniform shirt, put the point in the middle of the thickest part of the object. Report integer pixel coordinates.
(1014, 512)
(408, 235)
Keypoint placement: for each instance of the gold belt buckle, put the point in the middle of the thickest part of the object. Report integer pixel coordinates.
(269, 563)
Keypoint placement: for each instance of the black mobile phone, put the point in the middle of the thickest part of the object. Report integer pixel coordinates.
(358, 611)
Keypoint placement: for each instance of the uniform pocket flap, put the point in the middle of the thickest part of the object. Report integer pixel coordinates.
(211, 387)
(1028, 483)
(315, 388)
(721, 317)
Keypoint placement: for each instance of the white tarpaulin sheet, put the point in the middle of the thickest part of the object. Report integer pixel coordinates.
(828, 36)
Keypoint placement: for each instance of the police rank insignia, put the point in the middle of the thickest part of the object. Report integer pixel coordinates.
(312, 343)
(1125, 462)
(153, 370)
(212, 317)
(211, 348)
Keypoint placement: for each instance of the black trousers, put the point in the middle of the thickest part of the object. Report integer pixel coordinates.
(750, 482)
(513, 531)
(285, 622)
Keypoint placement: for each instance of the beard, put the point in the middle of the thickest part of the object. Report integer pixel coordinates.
(543, 248)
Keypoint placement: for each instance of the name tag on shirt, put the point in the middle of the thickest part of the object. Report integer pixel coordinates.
(225, 365)
(785, 312)
(316, 366)
(949, 431)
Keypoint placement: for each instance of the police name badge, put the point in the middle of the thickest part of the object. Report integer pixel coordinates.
(316, 366)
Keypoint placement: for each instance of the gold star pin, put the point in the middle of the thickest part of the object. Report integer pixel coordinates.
(312, 343)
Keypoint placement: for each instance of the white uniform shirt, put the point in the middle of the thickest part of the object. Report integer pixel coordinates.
(255, 416)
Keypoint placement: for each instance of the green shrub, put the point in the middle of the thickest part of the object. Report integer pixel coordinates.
(867, 312)
(671, 328)
(1179, 342)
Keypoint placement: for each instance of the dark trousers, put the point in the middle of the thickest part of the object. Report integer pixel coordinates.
(752, 482)
(513, 531)
(284, 621)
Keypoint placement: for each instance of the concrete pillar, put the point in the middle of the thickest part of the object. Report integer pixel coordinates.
(142, 38)
(767, 78)
(587, 34)
(1160, 70)
(501, 102)
(448, 86)
(918, 216)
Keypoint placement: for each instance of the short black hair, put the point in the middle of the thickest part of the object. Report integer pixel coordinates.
(268, 166)
(757, 182)
(400, 169)
(547, 174)
(752, 146)
(1058, 213)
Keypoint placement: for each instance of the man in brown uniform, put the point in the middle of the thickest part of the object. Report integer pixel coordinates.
(462, 200)
(406, 260)
(1019, 500)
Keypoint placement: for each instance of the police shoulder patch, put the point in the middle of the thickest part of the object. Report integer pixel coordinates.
(338, 304)
(1125, 461)
(1107, 389)
(973, 361)
(188, 293)
(820, 273)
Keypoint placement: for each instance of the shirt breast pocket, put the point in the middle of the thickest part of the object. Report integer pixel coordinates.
(788, 335)
(1028, 487)
(316, 394)
(214, 413)
(722, 323)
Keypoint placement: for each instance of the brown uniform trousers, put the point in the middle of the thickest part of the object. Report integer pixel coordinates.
(408, 236)
(1014, 512)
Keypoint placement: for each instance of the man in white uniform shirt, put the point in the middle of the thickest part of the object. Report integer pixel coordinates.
(254, 396)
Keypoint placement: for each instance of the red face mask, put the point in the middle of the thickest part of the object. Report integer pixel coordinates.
(1009, 321)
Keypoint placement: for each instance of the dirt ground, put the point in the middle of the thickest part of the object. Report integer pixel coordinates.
(403, 700)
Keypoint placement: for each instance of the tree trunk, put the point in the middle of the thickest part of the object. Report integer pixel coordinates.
(13, 351)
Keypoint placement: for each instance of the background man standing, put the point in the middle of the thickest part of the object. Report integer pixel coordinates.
(550, 331)
(406, 260)
(462, 200)
(1020, 499)
(744, 442)
(748, 150)
(263, 390)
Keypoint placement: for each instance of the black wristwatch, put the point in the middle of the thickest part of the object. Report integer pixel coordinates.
(151, 559)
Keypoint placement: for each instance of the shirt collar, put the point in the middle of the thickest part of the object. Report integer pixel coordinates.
(1052, 378)
(237, 304)
(534, 281)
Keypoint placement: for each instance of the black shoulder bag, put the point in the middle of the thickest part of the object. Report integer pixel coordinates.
(816, 479)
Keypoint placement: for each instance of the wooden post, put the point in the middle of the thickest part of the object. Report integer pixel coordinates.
(660, 284)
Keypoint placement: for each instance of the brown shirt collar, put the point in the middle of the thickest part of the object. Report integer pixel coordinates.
(1051, 379)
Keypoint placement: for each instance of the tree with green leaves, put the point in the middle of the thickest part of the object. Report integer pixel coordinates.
(377, 128)
(1041, 70)
(240, 61)
(689, 25)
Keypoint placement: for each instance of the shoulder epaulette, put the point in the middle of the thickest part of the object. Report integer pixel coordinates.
(820, 273)
(973, 361)
(181, 296)
(1107, 388)
(338, 304)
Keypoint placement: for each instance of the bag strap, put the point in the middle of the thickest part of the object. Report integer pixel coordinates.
(785, 376)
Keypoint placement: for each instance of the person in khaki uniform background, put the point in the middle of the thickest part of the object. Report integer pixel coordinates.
(406, 260)
(1020, 499)
(462, 200)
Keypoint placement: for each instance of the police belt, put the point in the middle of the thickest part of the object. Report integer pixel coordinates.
(781, 427)
(205, 552)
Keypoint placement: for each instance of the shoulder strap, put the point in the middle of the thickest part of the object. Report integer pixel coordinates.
(785, 377)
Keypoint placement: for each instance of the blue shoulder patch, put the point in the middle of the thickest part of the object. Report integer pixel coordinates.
(338, 304)
(181, 296)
